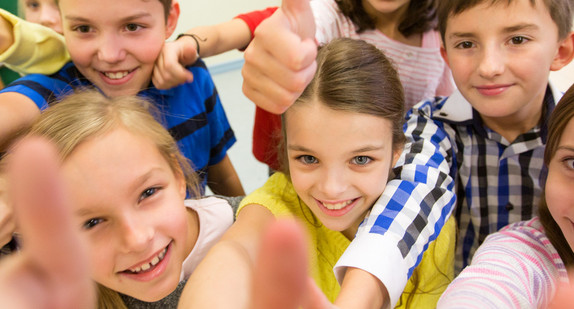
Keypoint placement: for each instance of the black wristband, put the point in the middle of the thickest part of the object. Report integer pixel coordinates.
(195, 37)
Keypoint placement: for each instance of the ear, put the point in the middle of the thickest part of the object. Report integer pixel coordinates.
(181, 183)
(564, 54)
(443, 54)
(396, 155)
(172, 18)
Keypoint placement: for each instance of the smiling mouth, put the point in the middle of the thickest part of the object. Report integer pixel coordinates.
(337, 206)
(144, 267)
(117, 75)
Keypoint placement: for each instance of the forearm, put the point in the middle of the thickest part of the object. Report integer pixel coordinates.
(33, 47)
(411, 211)
(6, 35)
(361, 290)
(17, 113)
(217, 39)
(227, 268)
(223, 179)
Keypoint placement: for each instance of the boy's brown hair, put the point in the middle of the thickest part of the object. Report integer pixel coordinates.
(166, 6)
(560, 12)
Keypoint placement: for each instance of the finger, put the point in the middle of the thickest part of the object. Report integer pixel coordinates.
(300, 17)
(281, 272)
(274, 36)
(316, 299)
(50, 240)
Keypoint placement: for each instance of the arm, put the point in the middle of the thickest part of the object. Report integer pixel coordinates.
(410, 213)
(513, 268)
(34, 48)
(7, 224)
(222, 179)
(280, 61)
(6, 36)
(228, 267)
(212, 40)
(17, 112)
(169, 70)
(41, 276)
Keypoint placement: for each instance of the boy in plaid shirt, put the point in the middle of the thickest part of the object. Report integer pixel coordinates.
(484, 142)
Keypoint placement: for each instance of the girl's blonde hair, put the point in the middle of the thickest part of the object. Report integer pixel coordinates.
(87, 114)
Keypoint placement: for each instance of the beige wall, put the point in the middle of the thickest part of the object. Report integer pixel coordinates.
(208, 12)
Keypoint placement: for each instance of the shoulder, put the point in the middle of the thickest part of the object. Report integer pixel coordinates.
(522, 243)
(216, 211)
(277, 195)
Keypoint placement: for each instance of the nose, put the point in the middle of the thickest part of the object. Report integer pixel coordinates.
(111, 49)
(50, 17)
(333, 183)
(492, 62)
(135, 234)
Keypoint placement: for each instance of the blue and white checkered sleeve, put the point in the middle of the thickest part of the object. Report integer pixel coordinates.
(412, 209)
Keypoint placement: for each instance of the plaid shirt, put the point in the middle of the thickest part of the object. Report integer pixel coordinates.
(496, 182)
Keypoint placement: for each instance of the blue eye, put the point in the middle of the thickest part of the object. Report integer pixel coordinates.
(569, 163)
(89, 224)
(147, 193)
(362, 160)
(307, 159)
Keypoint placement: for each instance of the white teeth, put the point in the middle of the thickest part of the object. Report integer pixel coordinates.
(149, 265)
(116, 75)
(336, 206)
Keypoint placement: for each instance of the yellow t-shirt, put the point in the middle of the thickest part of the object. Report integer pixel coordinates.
(326, 246)
(36, 49)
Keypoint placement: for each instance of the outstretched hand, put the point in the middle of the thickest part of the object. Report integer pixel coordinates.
(52, 269)
(281, 279)
(280, 61)
(169, 69)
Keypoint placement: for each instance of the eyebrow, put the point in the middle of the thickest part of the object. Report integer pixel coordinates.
(134, 185)
(125, 19)
(511, 29)
(567, 148)
(360, 150)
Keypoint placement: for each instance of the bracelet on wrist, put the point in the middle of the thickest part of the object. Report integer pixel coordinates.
(195, 37)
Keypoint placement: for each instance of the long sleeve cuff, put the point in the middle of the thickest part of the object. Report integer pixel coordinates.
(36, 49)
(379, 256)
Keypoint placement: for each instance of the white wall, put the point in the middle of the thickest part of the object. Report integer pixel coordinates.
(208, 12)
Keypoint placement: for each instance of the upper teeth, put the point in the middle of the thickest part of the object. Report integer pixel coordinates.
(116, 75)
(153, 262)
(336, 206)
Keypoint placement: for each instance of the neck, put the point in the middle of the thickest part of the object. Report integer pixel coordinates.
(192, 230)
(388, 24)
(515, 125)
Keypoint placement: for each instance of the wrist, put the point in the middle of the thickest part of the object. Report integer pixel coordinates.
(195, 37)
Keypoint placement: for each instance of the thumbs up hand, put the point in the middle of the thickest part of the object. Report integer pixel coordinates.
(280, 61)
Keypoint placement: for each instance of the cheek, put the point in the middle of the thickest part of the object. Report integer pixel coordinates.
(101, 262)
(147, 51)
(558, 197)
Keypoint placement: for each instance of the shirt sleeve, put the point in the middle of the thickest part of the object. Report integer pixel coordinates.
(36, 49)
(511, 269)
(254, 18)
(221, 136)
(412, 210)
